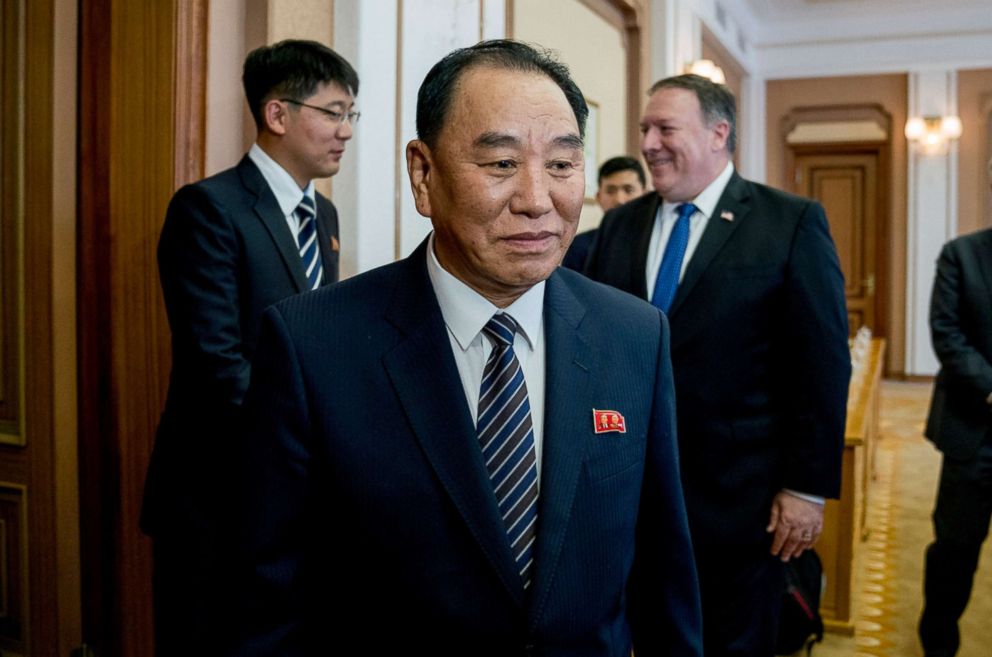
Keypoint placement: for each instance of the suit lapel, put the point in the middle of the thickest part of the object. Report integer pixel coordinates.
(718, 231)
(570, 363)
(643, 242)
(325, 240)
(268, 212)
(439, 416)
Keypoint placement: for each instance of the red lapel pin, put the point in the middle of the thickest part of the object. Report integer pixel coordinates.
(608, 422)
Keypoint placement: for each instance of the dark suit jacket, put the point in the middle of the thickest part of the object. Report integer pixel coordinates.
(370, 523)
(578, 251)
(759, 352)
(961, 327)
(225, 255)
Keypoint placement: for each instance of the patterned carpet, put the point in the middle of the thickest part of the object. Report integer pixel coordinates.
(890, 563)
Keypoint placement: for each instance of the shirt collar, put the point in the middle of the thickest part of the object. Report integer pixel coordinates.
(288, 194)
(707, 199)
(466, 312)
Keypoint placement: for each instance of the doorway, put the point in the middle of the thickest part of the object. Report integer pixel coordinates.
(845, 179)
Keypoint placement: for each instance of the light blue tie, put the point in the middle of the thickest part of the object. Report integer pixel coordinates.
(506, 436)
(671, 263)
(307, 239)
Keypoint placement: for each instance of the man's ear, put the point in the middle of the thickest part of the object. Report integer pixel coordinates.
(420, 168)
(721, 132)
(275, 116)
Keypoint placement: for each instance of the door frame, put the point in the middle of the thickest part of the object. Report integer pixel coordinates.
(142, 119)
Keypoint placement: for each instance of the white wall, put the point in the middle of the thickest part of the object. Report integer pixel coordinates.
(226, 106)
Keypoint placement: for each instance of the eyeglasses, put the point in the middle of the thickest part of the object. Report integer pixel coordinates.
(336, 117)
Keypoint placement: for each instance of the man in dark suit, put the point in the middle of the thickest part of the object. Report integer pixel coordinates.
(470, 451)
(960, 425)
(750, 281)
(620, 179)
(232, 245)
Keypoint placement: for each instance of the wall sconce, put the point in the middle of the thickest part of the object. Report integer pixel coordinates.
(933, 132)
(707, 69)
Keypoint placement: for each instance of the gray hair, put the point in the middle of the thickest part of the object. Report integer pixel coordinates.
(716, 101)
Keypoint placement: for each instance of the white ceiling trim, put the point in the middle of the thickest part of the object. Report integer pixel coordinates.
(878, 56)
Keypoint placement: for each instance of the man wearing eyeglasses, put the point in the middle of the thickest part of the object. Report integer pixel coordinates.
(232, 245)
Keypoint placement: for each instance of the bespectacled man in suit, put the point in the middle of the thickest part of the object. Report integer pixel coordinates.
(751, 284)
(960, 425)
(470, 451)
(232, 245)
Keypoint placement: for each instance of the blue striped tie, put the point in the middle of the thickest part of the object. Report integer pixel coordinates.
(667, 282)
(307, 238)
(506, 435)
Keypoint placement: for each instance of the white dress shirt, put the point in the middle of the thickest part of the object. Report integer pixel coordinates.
(664, 222)
(288, 194)
(466, 312)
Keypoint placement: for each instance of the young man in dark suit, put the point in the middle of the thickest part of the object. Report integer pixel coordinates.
(752, 287)
(960, 425)
(232, 245)
(471, 451)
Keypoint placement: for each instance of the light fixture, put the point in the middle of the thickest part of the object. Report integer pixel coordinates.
(707, 69)
(933, 132)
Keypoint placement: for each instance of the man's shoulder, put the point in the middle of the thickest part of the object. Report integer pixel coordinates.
(644, 204)
(218, 186)
(981, 239)
(351, 300)
(762, 193)
(630, 215)
(605, 302)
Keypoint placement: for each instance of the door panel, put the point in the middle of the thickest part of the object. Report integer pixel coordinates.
(846, 184)
(40, 607)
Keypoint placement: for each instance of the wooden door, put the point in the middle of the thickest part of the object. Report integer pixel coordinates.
(846, 183)
(40, 605)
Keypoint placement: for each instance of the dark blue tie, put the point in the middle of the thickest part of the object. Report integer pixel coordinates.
(506, 435)
(307, 239)
(671, 263)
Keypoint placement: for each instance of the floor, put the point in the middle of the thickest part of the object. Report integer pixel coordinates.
(889, 568)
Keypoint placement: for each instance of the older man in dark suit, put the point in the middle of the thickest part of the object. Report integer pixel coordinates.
(750, 281)
(471, 451)
(232, 245)
(960, 425)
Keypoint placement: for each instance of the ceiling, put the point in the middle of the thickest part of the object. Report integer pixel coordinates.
(775, 9)
(771, 22)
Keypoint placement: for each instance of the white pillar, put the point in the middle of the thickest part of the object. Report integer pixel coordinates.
(365, 189)
(752, 108)
(932, 213)
(675, 37)
(393, 45)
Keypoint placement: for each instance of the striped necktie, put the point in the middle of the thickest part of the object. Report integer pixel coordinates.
(307, 239)
(667, 282)
(506, 435)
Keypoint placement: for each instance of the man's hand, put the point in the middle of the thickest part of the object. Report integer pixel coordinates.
(797, 524)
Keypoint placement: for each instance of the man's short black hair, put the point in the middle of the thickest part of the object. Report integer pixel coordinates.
(621, 163)
(293, 69)
(438, 88)
(715, 100)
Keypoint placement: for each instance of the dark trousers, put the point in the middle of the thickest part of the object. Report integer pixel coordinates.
(961, 523)
(741, 604)
(192, 596)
